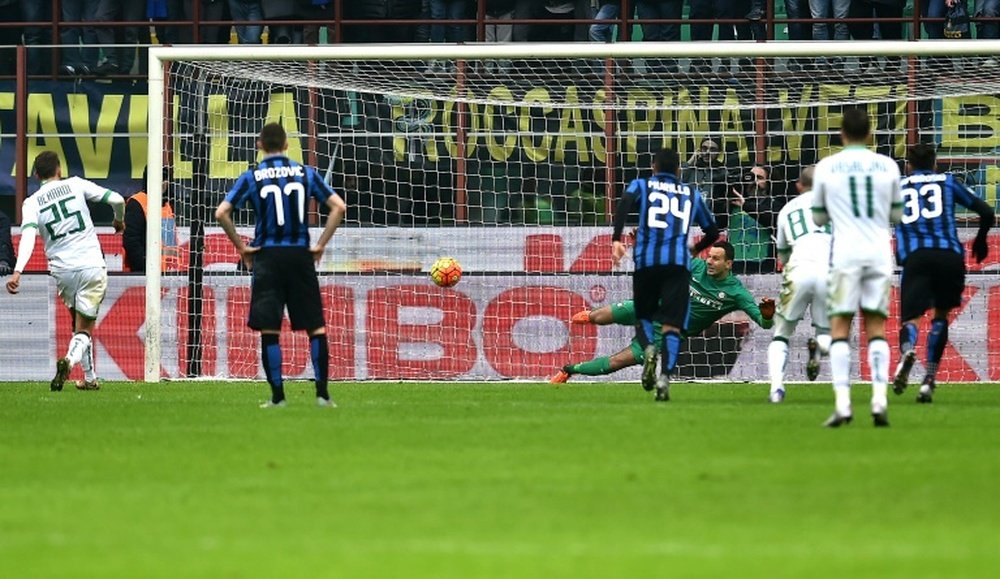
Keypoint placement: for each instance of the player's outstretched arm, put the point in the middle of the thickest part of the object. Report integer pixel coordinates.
(762, 314)
(622, 211)
(987, 219)
(711, 235)
(117, 203)
(25, 248)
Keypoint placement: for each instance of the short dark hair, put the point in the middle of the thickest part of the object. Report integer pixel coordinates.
(922, 157)
(273, 138)
(856, 124)
(806, 176)
(46, 164)
(727, 247)
(666, 161)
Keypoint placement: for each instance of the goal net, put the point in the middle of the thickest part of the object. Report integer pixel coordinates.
(510, 159)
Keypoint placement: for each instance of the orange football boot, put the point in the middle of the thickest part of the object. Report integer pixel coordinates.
(561, 378)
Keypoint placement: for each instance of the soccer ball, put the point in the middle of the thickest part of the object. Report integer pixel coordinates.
(446, 272)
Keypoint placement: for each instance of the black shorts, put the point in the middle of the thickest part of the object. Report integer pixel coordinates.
(662, 294)
(285, 276)
(932, 278)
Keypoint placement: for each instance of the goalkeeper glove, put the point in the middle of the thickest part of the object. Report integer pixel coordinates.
(5, 269)
(980, 249)
(766, 306)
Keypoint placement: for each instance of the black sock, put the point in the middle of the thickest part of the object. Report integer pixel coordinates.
(270, 353)
(319, 350)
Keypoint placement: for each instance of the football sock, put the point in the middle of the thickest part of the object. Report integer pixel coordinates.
(840, 371)
(671, 347)
(907, 337)
(823, 341)
(77, 348)
(648, 331)
(777, 356)
(878, 363)
(87, 363)
(936, 341)
(596, 367)
(270, 353)
(319, 350)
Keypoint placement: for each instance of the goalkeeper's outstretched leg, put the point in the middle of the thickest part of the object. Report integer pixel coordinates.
(602, 365)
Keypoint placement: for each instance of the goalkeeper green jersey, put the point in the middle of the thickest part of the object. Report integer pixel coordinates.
(711, 299)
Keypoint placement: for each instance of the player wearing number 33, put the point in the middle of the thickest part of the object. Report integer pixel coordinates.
(667, 208)
(932, 256)
(280, 256)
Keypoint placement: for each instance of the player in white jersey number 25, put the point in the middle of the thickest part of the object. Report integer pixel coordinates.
(857, 191)
(58, 210)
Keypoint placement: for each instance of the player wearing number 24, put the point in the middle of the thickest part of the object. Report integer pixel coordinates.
(281, 257)
(667, 207)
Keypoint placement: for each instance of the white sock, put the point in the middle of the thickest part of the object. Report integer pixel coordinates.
(87, 363)
(77, 348)
(878, 361)
(823, 341)
(840, 371)
(777, 355)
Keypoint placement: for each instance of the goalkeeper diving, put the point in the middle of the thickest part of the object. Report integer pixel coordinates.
(714, 292)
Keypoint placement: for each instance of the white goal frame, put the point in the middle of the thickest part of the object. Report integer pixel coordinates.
(161, 56)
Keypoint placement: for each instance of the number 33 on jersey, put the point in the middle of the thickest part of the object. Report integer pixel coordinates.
(928, 220)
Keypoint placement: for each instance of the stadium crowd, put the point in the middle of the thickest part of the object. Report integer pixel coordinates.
(88, 24)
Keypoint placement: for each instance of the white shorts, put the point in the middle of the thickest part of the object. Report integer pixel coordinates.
(859, 286)
(82, 289)
(803, 286)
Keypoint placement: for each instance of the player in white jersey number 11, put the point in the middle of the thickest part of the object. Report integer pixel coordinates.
(858, 192)
(58, 211)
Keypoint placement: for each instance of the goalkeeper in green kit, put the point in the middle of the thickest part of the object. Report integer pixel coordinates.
(714, 292)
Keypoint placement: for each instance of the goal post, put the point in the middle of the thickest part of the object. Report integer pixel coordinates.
(510, 157)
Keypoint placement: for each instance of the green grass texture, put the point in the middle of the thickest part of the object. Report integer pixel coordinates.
(192, 479)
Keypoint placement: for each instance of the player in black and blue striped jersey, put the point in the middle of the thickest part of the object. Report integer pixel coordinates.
(667, 209)
(933, 259)
(281, 255)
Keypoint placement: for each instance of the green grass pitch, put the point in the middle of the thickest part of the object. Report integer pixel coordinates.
(494, 480)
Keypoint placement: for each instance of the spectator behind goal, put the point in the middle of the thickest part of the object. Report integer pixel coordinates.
(134, 237)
